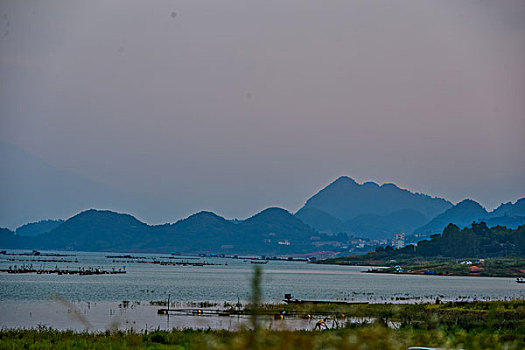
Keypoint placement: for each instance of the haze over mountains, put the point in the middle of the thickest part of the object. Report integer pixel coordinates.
(373, 211)
(342, 208)
(369, 209)
(34, 189)
(346, 199)
(272, 231)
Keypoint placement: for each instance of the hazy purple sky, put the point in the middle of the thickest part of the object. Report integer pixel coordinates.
(233, 106)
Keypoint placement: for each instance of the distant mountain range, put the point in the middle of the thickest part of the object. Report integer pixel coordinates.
(373, 211)
(344, 207)
(346, 199)
(34, 229)
(462, 214)
(272, 231)
(369, 210)
(467, 211)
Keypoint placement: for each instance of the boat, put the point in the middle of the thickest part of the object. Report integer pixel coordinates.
(520, 280)
(259, 262)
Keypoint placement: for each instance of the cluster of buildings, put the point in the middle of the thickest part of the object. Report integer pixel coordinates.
(399, 240)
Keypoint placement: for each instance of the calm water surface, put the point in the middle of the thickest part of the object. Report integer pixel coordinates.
(26, 299)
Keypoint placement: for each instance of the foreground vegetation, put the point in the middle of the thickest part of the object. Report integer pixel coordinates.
(467, 325)
(366, 338)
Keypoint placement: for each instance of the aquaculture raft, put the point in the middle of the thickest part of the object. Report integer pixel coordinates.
(81, 272)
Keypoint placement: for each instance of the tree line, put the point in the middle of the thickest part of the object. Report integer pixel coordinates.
(478, 240)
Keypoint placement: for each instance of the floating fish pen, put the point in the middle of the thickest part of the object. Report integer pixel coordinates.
(34, 253)
(79, 271)
(168, 263)
(45, 260)
(150, 258)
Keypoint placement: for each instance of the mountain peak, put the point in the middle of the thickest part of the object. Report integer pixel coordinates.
(275, 210)
(97, 212)
(344, 180)
(33, 229)
(96, 215)
(345, 199)
(389, 185)
(203, 215)
(278, 221)
(271, 213)
(510, 209)
(462, 214)
(469, 203)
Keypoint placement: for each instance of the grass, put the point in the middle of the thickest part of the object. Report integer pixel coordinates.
(370, 337)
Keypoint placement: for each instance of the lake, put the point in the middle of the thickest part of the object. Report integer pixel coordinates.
(29, 300)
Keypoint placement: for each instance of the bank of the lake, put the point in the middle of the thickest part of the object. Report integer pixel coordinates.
(490, 267)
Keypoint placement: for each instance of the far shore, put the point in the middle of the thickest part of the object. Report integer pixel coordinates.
(490, 267)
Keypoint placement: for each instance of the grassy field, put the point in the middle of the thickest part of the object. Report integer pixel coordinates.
(456, 325)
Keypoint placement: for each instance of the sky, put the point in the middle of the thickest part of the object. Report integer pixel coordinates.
(165, 108)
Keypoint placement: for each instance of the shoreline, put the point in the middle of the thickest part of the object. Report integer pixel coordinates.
(490, 267)
(387, 271)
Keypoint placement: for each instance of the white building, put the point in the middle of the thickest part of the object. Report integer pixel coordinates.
(399, 240)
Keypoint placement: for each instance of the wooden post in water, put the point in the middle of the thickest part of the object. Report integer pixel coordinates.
(168, 312)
